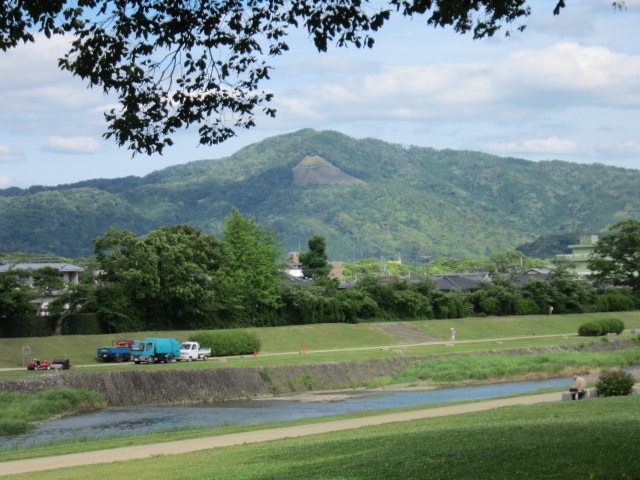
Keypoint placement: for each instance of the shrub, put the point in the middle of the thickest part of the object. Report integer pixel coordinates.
(525, 306)
(491, 306)
(227, 342)
(602, 303)
(601, 326)
(619, 303)
(82, 324)
(613, 383)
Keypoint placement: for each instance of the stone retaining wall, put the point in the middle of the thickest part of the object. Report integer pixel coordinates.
(153, 387)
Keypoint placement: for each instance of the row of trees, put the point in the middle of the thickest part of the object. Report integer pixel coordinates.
(180, 278)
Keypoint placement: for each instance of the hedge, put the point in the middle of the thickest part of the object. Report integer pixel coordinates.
(227, 342)
(525, 306)
(82, 324)
(29, 326)
(595, 328)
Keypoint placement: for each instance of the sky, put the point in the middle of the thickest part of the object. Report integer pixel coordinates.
(566, 88)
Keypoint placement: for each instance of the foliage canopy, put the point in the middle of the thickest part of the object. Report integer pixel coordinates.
(616, 258)
(176, 64)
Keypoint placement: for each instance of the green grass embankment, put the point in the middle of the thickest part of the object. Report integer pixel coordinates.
(17, 410)
(81, 349)
(80, 444)
(498, 367)
(520, 325)
(595, 439)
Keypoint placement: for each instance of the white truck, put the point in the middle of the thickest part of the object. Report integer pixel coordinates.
(190, 351)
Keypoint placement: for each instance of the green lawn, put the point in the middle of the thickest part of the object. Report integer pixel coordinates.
(498, 327)
(81, 444)
(595, 439)
(315, 357)
(81, 349)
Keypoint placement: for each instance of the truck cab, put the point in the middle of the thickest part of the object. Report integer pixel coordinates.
(190, 351)
(153, 350)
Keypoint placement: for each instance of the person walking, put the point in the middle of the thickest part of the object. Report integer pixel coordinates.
(550, 309)
(453, 336)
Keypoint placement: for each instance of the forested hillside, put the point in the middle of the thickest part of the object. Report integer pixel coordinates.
(414, 202)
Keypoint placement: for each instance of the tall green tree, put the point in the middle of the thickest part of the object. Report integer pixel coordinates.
(314, 261)
(616, 258)
(250, 276)
(15, 301)
(168, 280)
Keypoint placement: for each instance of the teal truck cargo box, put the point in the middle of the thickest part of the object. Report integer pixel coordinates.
(156, 350)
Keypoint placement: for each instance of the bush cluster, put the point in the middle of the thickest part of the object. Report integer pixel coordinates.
(614, 383)
(227, 342)
(602, 326)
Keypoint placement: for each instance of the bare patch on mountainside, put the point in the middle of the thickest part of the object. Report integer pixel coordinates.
(316, 170)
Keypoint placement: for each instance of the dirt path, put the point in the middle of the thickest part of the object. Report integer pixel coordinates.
(186, 446)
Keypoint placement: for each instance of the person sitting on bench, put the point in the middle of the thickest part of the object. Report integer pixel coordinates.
(578, 389)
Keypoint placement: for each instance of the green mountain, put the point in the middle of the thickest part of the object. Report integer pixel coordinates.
(368, 197)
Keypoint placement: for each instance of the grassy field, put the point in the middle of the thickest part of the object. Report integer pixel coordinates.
(499, 367)
(595, 439)
(498, 327)
(315, 357)
(79, 444)
(81, 349)
(18, 409)
(330, 356)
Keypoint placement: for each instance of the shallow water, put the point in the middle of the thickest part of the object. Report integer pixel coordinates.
(133, 420)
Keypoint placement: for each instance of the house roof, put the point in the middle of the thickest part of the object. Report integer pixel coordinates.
(62, 267)
(448, 282)
(523, 278)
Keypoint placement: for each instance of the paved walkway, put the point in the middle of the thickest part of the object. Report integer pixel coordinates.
(192, 445)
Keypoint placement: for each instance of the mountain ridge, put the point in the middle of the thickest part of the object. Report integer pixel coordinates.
(415, 201)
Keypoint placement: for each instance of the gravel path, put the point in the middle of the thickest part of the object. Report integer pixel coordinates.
(186, 446)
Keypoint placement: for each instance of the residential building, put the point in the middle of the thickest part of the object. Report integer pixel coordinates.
(581, 254)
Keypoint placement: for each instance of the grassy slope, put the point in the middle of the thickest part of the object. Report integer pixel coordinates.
(81, 349)
(18, 409)
(81, 444)
(562, 440)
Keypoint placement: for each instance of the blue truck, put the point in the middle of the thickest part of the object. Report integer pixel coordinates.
(119, 351)
(154, 350)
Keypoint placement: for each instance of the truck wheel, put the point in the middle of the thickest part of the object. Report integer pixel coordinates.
(189, 359)
(168, 359)
(204, 358)
(151, 360)
(137, 363)
(118, 358)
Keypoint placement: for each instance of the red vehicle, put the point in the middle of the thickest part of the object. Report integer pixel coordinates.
(39, 365)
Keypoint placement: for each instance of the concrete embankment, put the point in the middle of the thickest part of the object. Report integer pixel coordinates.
(152, 387)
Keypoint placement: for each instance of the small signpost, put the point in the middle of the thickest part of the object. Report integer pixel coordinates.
(26, 351)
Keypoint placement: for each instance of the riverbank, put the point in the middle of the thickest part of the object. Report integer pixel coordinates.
(81, 349)
(184, 386)
(20, 412)
(435, 443)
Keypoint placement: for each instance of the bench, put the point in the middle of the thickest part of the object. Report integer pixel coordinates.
(589, 393)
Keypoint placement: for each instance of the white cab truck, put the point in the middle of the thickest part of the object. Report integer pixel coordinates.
(190, 351)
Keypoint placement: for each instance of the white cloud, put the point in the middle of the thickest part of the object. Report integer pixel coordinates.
(619, 149)
(523, 84)
(548, 145)
(73, 145)
(8, 154)
(5, 181)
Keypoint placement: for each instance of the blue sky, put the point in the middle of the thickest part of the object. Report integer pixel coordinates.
(567, 88)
